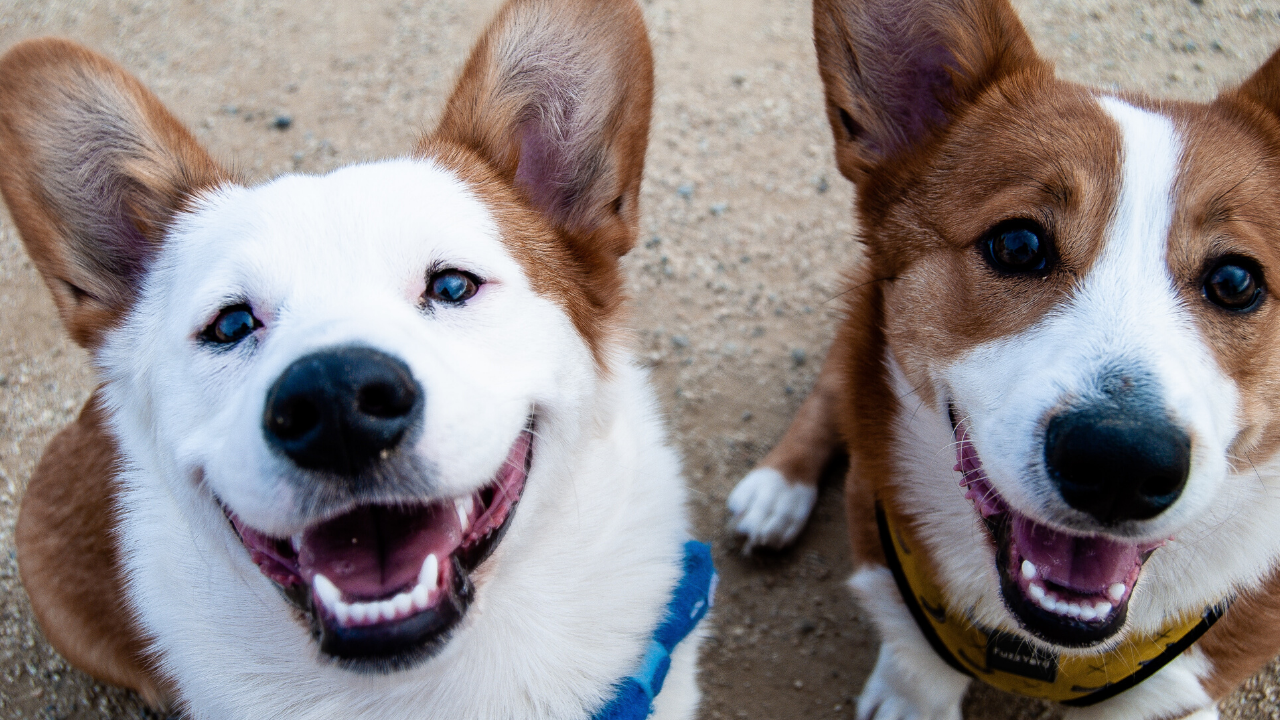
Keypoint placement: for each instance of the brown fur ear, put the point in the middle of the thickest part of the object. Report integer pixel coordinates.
(556, 98)
(1263, 87)
(895, 72)
(92, 168)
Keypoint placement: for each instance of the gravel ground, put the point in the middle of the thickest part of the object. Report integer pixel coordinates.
(746, 229)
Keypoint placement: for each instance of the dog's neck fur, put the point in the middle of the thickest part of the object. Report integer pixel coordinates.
(244, 652)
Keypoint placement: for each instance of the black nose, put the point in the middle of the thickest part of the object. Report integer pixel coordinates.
(1117, 463)
(341, 410)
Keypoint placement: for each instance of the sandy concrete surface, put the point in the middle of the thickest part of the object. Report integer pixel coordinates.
(746, 229)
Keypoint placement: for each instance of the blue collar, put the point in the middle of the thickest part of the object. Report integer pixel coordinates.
(633, 696)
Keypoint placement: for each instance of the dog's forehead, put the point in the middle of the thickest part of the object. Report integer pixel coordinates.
(380, 224)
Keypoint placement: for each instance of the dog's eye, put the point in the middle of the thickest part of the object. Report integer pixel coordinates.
(232, 325)
(451, 286)
(1017, 246)
(1235, 283)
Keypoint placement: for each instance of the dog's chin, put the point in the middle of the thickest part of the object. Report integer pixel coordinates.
(1065, 589)
(383, 586)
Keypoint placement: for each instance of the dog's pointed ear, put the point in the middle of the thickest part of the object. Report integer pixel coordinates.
(556, 98)
(895, 72)
(92, 169)
(1263, 87)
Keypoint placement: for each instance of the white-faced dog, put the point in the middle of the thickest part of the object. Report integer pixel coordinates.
(368, 444)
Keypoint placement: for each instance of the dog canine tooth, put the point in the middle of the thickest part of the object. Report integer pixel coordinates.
(328, 593)
(1116, 591)
(430, 575)
(1028, 570)
(464, 513)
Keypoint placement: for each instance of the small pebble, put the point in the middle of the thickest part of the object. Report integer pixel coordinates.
(719, 208)
(282, 122)
(685, 191)
(680, 342)
(798, 356)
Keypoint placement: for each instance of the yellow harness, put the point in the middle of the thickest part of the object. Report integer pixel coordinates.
(1010, 663)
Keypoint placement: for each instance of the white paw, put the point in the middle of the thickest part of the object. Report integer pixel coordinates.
(896, 693)
(768, 509)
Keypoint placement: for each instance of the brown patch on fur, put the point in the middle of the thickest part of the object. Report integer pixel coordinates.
(813, 438)
(1245, 639)
(591, 293)
(555, 102)
(1226, 198)
(69, 562)
(94, 169)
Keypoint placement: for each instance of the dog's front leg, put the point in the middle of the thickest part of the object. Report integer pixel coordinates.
(772, 503)
(1174, 692)
(910, 681)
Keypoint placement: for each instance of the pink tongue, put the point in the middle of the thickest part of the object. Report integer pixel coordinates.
(375, 551)
(1084, 564)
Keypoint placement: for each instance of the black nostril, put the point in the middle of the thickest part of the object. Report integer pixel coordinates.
(293, 417)
(341, 410)
(385, 400)
(1117, 463)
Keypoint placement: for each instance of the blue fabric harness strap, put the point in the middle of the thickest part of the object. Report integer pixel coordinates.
(693, 597)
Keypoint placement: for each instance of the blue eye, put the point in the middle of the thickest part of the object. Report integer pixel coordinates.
(451, 286)
(232, 325)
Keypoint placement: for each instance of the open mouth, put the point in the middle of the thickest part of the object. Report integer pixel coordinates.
(1070, 590)
(382, 586)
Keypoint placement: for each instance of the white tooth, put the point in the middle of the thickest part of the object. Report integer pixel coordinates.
(387, 609)
(1088, 613)
(359, 613)
(296, 542)
(470, 503)
(1028, 570)
(421, 596)
(327, 592)
(1037, 591)
(1047, 602)
(1116, 591)
(403, 603)
(1073, 609)
(342, 611)
(430, 574)
(1103, 609)
(463, 513)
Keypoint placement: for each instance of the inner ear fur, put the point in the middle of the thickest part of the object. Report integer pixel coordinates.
(92, 168)
(895, 73)
(556, 97)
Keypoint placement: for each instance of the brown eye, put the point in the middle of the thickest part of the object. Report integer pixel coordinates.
(1017, 247)
(1235, 283)
(232, 325)
(451, 286)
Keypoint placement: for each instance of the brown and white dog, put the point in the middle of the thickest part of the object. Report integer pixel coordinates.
(295, 493)
(1060, 365)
